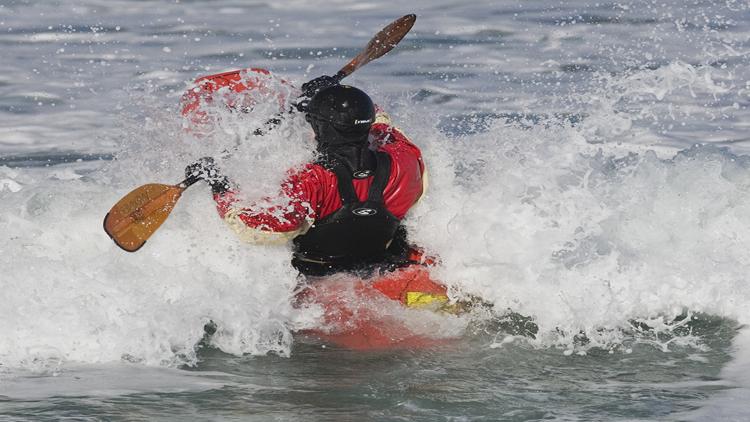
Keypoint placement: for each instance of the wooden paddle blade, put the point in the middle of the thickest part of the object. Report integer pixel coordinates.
(134, 218)
(381, 43)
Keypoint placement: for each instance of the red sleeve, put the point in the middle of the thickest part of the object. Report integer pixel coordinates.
(299, 191)
(407, 181)
(392, 140)
(397, 142)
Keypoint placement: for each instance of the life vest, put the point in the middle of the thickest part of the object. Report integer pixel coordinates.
(360, 231)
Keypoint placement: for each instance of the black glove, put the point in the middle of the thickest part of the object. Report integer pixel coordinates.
(206, 169)
(320, 83)
(310, 88)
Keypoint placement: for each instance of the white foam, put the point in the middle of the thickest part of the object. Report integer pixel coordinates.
(10, 185)
(580, 236)
(583, 235)
(76, 296)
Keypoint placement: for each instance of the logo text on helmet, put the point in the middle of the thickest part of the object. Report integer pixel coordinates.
(359, 122)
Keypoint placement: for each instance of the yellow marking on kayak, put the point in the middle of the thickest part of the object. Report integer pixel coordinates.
(422, 300)
(439, 303)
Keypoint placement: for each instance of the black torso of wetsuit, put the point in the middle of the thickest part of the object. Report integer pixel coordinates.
(359, 235)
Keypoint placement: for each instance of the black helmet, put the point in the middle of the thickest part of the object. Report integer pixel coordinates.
(341, 114)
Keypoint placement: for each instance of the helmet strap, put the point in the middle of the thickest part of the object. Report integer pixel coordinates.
(355, 157)
(329, 136)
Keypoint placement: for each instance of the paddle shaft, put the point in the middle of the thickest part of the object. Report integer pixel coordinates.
(190, 181)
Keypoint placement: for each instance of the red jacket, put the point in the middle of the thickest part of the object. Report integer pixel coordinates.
(314, 194)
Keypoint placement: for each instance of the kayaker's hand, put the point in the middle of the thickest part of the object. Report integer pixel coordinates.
(320, 83)
(206, 169)
(310, 88)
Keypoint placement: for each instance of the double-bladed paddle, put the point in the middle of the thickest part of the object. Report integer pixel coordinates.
(135, 217)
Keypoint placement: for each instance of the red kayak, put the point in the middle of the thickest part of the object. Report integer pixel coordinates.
(402, 309)
(405, 308)
(231, 89)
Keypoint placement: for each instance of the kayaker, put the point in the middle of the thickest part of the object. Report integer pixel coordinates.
(345, 208)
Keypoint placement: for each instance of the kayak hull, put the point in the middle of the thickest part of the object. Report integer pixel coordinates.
(385, 312)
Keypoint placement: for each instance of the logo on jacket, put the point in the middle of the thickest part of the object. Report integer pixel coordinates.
(362, 174)
(364, 212)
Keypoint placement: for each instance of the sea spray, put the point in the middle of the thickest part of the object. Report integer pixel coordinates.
(530, 217)
(544, 219)
(88, 301)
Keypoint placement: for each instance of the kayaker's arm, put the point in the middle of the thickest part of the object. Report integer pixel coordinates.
(267, 222)
(390, 138)
(309, 89)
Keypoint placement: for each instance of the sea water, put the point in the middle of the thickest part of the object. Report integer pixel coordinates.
(589, 173)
